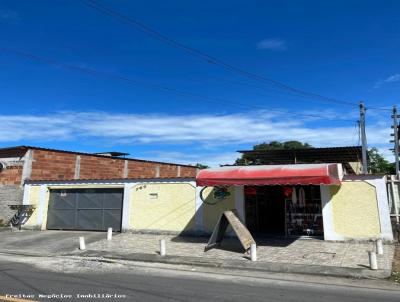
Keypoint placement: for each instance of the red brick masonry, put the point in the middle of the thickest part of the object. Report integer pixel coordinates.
(48, 164)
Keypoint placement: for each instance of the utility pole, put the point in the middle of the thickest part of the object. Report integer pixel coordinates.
(363, 139)
(395, 135)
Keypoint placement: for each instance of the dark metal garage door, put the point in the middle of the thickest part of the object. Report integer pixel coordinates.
(85, 209)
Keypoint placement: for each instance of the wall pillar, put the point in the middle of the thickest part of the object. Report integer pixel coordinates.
(27, 168)
(126, 206)
(383, 207)
(77, 171)
(327, 215)
(240, 202)
(41, 207)
(199, 226)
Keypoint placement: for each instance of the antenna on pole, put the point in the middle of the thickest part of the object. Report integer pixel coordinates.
(363, 139)
(396, 139)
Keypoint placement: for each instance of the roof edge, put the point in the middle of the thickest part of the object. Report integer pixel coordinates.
(95, 155)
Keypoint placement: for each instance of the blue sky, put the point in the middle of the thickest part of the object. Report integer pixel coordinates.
(346, 50)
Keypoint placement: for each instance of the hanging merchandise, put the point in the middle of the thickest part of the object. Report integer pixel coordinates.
(294, 197)
(250, 190)
(287, 191)
(302, 197)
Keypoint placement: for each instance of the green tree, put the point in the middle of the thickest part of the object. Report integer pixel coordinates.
(274, 145)
(201, 166)
(378, 164)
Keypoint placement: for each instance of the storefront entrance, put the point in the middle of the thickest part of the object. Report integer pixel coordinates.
(284, 210)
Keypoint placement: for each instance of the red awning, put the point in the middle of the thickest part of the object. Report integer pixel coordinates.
(302, 174)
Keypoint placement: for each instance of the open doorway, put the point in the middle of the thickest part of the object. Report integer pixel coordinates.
(284, 210)
(265, 210)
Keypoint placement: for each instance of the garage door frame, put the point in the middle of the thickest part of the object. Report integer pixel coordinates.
(85, 209)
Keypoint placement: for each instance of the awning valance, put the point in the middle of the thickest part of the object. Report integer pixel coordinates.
(301, 174)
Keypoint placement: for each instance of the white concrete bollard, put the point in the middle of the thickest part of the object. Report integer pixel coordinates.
(82, 245)
(379, 247)
(373, 264)
(109, 234)
(253, 252)
(162, 247)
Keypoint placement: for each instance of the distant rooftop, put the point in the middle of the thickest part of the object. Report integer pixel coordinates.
(112, 154)
(343, 155)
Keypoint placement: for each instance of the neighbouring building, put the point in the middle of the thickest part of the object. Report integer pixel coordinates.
(22, 164)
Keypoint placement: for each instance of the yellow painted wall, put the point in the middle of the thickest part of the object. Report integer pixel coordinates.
(211, 213)
(165, 207)
(355, 210)
(34, 193)
(45, 206)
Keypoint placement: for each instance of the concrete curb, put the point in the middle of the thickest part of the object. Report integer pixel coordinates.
(261, 266)
(334, 271)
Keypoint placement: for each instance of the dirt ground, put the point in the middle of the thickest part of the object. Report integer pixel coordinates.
(396, 259)
(396, 264)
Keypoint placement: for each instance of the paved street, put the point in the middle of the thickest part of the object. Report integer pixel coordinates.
(140, 283)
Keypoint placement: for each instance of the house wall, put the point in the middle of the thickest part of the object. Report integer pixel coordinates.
(173, 210)
(10, 184)
(11, 175)
(163, 207)
(211, 213)
(9, 195)
(33, 198)
(176, 208)
(41, 164)
(356, 210)
(52, 165)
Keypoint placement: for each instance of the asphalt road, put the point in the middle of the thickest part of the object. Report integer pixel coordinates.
(141, 284)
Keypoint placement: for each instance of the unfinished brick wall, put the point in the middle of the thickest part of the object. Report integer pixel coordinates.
(168, 171)
(11, 175)
(141, 169)
(188, 171)
(101, 168)
(52, 165)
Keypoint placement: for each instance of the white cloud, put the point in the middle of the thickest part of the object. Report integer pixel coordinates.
(216, 137)
(272, 44)
(210, 159)
(391, 79)
(9, 16)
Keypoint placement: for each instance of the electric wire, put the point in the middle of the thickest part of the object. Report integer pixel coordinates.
(211, 59)
(95, 72)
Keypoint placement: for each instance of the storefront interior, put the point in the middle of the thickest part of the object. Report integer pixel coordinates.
(284, 210)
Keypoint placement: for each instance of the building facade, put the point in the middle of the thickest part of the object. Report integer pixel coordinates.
(80, 191)
(24, 163)
(356, 208)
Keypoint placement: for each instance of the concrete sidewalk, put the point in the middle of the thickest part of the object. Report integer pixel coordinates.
(309, 256)
(44, 242)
